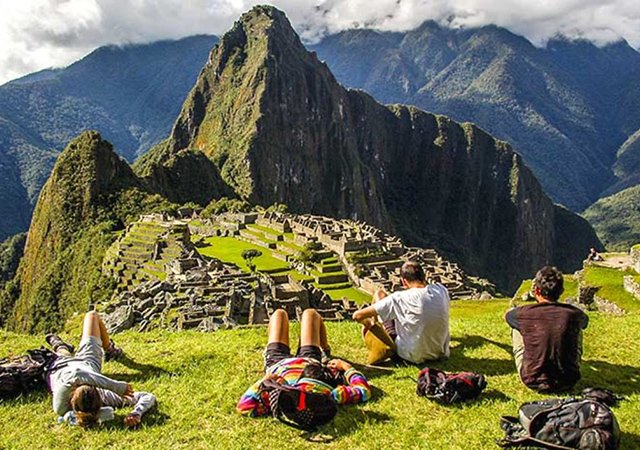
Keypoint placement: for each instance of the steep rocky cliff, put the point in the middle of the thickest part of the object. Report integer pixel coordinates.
(278, 128)
(89, 194)
(565, 107)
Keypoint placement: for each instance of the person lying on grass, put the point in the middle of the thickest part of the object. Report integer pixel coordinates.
(304, 371)
(81, 394)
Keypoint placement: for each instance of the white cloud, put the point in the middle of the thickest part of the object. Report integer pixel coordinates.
(36, 34)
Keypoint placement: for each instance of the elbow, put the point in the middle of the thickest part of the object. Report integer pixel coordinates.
(359, 315)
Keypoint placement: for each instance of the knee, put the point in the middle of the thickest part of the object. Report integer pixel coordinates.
(280, 314)
(310, 314)
(92, 315)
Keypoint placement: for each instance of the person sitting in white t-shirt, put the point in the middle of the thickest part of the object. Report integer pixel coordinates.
(416, 318)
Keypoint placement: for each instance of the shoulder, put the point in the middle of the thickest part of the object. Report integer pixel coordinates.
(437, 289)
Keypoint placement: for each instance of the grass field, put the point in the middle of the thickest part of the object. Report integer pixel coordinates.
(229, 249)
(199, 377)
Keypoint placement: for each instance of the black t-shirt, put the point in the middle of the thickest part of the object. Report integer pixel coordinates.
(551, 333)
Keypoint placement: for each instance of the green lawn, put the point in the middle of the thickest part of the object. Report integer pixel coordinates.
(610, 281)
(229, 249)
(351, 293)
(199, 377)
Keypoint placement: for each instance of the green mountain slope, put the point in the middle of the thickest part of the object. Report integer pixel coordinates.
(131, 94)
(565, 108)
(267, 123)
(628, 157)
(278, 127)
(91, 193)
(616, 219)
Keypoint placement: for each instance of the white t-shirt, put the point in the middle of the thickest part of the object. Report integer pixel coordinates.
(421, 318)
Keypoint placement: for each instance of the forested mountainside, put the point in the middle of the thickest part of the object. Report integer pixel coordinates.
(131, 94)
(566, 108)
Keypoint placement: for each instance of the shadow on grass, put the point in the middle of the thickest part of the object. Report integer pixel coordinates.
(154, 418)
(457, 361)
(620, 378)
(29, 397)
(144, 371)
(629, 440)
(349, 419)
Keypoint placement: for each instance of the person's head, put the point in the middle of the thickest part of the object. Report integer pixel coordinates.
(85, 402)
(322, 373)
(412, 273)
(548, 284)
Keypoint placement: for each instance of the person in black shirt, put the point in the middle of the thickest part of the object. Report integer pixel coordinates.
(547, 336)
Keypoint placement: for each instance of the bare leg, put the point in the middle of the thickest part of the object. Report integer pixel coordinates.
(312, 329)
(279, 327)
(379, 295)
(94, 326)
(324, 342)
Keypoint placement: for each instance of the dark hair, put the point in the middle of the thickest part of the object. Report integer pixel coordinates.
(298, 408)
(550, 283)
(86, 403)
(412, 271)
(322, 373)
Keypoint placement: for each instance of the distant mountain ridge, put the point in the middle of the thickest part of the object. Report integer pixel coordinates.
(267, 122)
(565, 108)
(276, 126)
(131, 94)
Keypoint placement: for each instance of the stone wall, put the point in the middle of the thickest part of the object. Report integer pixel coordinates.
(635, 257)
(632, 286)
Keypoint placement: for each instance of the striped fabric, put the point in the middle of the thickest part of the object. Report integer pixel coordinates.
(288, 371)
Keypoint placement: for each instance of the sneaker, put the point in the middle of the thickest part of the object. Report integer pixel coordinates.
(112, 353)
(55, 342)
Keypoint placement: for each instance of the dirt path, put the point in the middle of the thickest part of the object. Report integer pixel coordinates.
(614, 260)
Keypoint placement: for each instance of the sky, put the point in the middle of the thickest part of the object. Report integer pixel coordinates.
(39, 34)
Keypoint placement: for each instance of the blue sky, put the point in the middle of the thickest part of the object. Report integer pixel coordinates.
(37, 34)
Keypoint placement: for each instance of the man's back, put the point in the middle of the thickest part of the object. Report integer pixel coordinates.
(421, 318)
(552, 334)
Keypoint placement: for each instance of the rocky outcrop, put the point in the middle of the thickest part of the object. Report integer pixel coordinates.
(279, 128)
(89, 193)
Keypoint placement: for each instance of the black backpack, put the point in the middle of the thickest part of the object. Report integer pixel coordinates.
(299, 409)
(449, 387)
(26, 373)
(585, 423)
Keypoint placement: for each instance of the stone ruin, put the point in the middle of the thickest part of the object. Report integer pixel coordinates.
(194, 292)
(365, 256)
(163, 281)
(635, 257)
(631, 283)
(370, 257)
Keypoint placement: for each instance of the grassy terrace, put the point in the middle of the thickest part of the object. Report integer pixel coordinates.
(611, 281)
(229, 249)
(199, 377)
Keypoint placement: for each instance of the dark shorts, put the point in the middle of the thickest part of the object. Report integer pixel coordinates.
(390, 328)
(277, 351)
